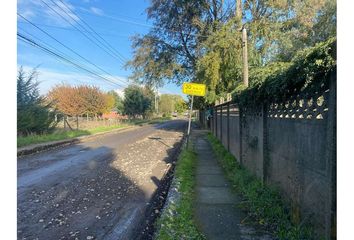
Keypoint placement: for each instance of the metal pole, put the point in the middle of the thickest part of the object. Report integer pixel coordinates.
(190, 118)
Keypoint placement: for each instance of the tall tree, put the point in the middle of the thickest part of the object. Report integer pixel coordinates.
(68, 100)
(94, 100)
(136, 102)
(170, 50)
(277, 30)
(34, 113)
(201, 40)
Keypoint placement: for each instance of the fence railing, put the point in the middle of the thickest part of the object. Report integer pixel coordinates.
(292, 145)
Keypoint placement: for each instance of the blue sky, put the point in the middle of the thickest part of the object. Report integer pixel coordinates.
(115, 21)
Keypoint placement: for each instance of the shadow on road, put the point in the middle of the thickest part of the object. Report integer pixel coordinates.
(66, 195)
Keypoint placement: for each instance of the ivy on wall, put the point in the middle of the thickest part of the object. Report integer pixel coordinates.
(308, 72)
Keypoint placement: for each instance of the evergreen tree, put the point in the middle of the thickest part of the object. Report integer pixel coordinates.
(34, 113)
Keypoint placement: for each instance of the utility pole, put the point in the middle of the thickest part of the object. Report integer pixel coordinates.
(244, 56)
(239, 11)
(244, 42)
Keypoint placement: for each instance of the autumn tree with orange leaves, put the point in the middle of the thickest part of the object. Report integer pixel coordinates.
(80, 100)
(68, 100)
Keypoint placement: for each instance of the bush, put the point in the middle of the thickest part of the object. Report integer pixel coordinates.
(34, 115)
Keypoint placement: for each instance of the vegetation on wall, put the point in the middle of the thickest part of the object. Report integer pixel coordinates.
(308, 72)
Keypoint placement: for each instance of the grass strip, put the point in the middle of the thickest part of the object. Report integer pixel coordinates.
(63, 135)
(177, 220)
(263, 202)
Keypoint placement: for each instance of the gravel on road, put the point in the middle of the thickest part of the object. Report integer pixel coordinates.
(101, 189)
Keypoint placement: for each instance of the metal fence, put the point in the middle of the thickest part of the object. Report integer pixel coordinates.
(291, 145)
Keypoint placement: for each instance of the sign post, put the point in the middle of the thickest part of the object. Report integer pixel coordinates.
(193, 89)
(190, 117)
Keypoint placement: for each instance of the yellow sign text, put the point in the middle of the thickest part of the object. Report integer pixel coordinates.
(194, 89)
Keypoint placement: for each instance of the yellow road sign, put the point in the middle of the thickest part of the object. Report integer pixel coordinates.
(194, 89)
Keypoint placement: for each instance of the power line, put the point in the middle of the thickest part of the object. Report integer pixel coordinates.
(109, 45)
(61, 58)
(105, 44)
(62, 53)
(146, 25)
(70, 49)
(70, 29)
(83, 10)
(108, 52)
(41, 41)
(50, 52)
(123, 20)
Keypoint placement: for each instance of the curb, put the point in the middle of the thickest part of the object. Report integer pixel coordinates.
(173, 195)
(41, 147)
(162, 196)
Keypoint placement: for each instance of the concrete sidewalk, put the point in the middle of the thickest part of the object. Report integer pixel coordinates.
(216, 212)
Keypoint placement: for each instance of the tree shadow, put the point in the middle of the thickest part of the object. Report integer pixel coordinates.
(76, 191)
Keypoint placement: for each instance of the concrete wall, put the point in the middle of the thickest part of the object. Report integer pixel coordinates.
(224, 128)
(252, 142)
(291, 145)
(234, 131)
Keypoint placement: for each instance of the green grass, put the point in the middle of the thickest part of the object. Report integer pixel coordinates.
(180, 225)
(62, 135)
(263, 202)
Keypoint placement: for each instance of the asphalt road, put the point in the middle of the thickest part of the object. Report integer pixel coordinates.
(99, 189)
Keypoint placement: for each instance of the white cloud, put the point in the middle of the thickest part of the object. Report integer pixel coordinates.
(60, 13)
(97, 11)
